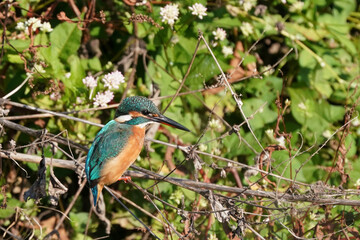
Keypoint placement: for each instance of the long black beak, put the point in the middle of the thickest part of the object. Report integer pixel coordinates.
(169, 122)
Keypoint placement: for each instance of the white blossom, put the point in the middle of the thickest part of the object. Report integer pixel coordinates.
(169, 13)
(102, 99)
(215, 124)
(198, 10)
(302, 106)
(202, 147)
(269, 70)
(223, 173)
(12, 143)
(34, 23)
(356, 122)
(55, 96)
(280, 141)
(248, 4)
(216, 151)
(90, 82)
(20, 26)
(327, 134)
(219, 34)
(68, 74)
(212, 236)
(246, 28)
(143, 2)
(227, 50)
(357, 184)
(296, 6)
(46, 27)
(113, 80)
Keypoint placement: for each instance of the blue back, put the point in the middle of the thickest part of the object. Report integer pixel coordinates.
(107, 144)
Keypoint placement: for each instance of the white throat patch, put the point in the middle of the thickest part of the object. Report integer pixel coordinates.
(123, 118)
(143, 125)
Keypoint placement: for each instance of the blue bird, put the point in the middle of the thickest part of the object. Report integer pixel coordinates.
(119, 142)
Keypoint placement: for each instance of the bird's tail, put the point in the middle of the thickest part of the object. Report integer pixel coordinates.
(96, 191)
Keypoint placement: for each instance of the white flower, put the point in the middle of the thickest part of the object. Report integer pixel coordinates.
(169, 13)
(198, 10)
(287, 102)
(113, 80)
(223, 173)
(102, 99)
(90, 82)
(356, 122)
(34, 23)
(227, 51)
(202, 147)
(68, 74)
(327, 134)
(280, 141)
(79, 100)
(212, 237)
(217, 151)
(215, 124)
(141, 3)
(269, 70)
(20, 26)
(55, 96)
(46, 27)
(357, 184)
(12, 143)
(219, 34)
(248, 4)
(296, 7)
(246, 29)
(302, 106)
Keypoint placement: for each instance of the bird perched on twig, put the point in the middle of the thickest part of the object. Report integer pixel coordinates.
(120, 141)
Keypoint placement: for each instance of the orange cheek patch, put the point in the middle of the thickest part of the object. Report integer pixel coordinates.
(135, 114)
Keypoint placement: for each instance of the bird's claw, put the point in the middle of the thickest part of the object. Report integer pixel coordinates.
(125, 179)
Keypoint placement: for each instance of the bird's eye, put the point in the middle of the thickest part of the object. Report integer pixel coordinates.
(145, 112)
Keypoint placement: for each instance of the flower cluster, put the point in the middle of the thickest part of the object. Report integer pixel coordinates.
(102, 99)
(246, 29)
(219, 34)
(227, 51)
(35, 24)
(90, 82)
(198, 10)
(247, 4)
(111, 81)
(170, 13)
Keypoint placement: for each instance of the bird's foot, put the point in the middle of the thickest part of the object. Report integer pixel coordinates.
(125, 179)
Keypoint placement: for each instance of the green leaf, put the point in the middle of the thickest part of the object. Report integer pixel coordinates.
(264, 114)
(14, 58)
(316, 115)
(12, 203)
(65, 40)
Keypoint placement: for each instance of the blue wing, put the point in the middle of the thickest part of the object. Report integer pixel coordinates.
(107, 144)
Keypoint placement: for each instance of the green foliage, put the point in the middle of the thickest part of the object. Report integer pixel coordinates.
(309, 96)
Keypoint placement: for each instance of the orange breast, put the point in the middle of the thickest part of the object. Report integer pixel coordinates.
(115, 167)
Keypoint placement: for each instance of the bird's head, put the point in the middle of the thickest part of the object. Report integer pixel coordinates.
(142, 111)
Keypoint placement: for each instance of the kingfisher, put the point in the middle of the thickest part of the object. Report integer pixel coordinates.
(119, 142)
